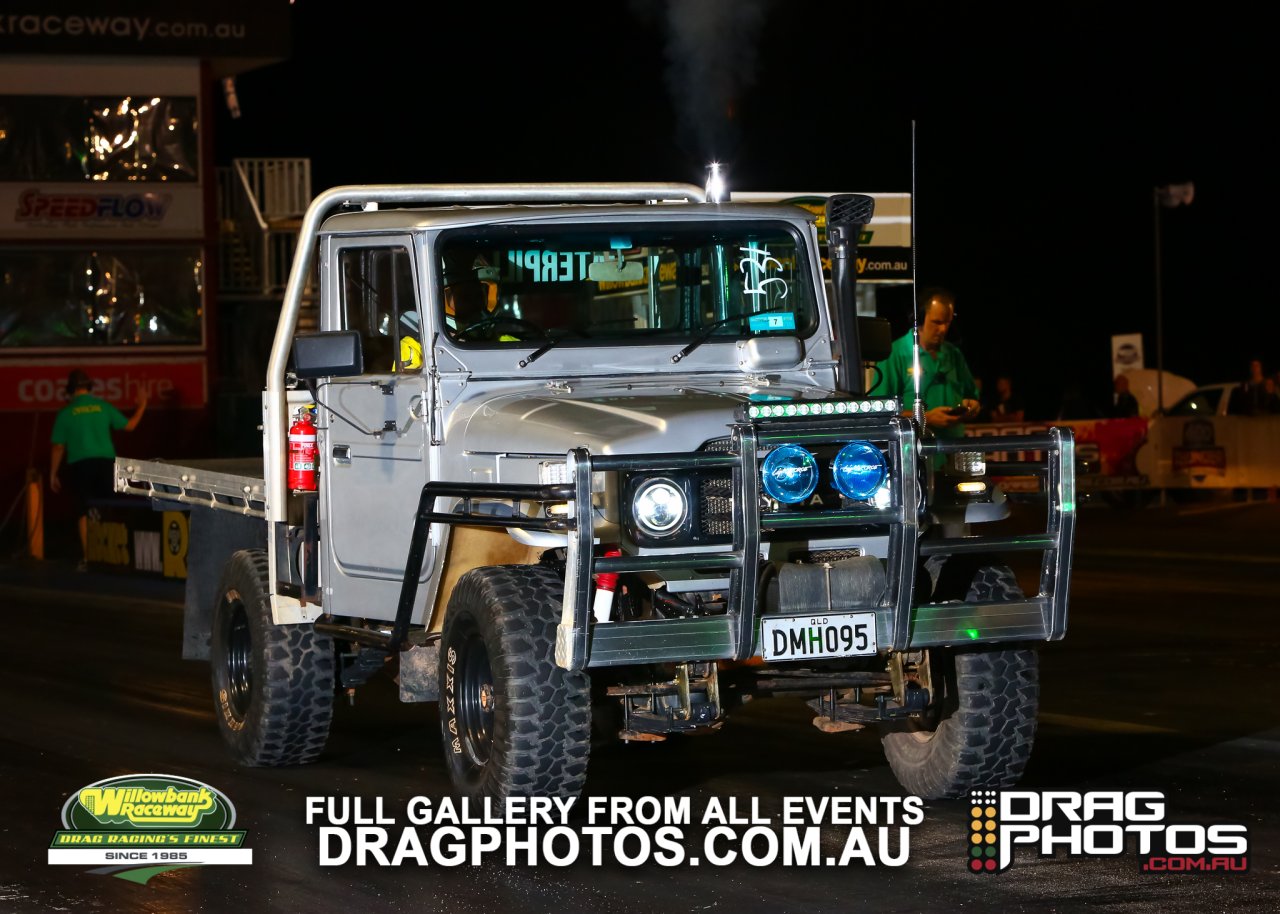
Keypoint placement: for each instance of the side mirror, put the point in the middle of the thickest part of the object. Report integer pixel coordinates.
(875, 338)
(330, 354)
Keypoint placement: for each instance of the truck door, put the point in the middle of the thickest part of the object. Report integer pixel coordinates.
(372, 439)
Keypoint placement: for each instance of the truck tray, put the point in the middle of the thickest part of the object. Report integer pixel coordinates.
(236, 484)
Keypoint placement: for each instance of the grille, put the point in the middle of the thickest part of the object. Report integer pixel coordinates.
(830, 556)
(715, 495)
(715, 507)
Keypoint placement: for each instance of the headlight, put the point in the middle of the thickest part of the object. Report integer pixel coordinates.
(789, 474)
(968, 463)
(859, 469)
(658, 507)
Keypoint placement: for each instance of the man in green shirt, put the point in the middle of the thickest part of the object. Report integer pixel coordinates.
(82, 434)
(946, 385)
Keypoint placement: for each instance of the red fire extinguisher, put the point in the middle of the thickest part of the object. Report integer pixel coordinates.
(302, 453)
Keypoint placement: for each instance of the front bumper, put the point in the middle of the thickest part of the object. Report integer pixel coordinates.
(901, 623)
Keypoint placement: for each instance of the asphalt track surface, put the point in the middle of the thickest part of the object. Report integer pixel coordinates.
(1166, 681)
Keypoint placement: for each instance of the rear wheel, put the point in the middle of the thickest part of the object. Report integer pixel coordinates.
(514, 723)
(981, 726)
(272, 684)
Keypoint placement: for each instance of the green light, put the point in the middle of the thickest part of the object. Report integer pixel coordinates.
(973, 634)
(821, 408)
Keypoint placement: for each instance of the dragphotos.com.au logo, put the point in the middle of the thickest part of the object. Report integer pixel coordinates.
(1106, 823)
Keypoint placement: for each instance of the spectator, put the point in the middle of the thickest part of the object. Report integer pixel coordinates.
(984, 401)
(1008, 407)
(1272, 399)
(1124, 405)
(946, 384)
(82, 433)
(1074, 404)
(1250, 398)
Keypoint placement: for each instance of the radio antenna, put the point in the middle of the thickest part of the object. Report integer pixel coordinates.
(918, 408)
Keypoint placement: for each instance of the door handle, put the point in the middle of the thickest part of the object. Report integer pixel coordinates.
(342, 455)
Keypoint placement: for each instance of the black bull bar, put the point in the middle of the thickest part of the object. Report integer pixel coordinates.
(901, 623)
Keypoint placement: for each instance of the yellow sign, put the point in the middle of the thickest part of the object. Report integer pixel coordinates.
(176, 530)
(108, 542)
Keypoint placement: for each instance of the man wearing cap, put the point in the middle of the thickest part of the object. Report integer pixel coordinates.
(82, 434)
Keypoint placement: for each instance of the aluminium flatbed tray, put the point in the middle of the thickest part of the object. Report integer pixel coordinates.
(227, 484)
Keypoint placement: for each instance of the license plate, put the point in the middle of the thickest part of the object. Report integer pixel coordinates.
(818, 637)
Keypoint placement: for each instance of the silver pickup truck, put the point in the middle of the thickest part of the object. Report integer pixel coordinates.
(604, 452)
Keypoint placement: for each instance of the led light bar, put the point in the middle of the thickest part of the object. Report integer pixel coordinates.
(796, 408)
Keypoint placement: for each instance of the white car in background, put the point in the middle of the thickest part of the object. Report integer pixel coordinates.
(1144, 384)
(1209, 400)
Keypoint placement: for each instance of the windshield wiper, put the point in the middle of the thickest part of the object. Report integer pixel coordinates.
(552, 344)
(569, 331)
(712, 327)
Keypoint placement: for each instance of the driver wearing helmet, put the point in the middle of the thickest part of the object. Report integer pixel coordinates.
(470, 289)
(471, 296)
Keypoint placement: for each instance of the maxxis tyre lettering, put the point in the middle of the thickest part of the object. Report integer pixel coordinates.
(273, 685)
(988, 717)
(538, 737)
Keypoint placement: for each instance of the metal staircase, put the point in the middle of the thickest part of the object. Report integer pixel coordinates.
(260, 207)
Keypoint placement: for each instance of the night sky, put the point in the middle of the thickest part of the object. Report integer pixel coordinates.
(1040, 136)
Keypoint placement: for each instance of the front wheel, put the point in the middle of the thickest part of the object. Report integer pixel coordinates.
(981, 726)
(513, 722)
(272, 684)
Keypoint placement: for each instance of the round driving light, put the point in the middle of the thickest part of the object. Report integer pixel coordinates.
(789, 474)
(859, 469)
(658, 507)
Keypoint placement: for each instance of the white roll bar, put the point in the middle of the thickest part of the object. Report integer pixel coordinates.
(405, 195)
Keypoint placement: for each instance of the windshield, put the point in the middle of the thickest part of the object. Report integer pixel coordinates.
(626, 284)
(1198, 403)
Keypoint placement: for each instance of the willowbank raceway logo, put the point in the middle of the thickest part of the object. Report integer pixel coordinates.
(1098, 824)
(139, 825)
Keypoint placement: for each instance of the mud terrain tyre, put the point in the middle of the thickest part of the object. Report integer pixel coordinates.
(514, 723)
(982, 730)
(272, 684)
